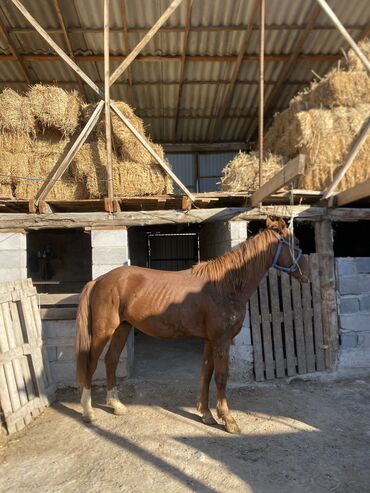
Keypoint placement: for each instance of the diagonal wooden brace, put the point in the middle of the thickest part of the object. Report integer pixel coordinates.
(59, 169)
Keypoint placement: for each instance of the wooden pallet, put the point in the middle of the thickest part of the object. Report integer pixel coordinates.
(26, 386)
(286, 325)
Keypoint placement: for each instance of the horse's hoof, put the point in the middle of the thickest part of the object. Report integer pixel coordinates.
(118, 408)
(208, 419)
(232, 427)
(89, 418)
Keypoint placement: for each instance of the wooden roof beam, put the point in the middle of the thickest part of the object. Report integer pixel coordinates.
(289, 172)
(4, 33)
(125, 38)
(236, 70)
(175, 58)
(68, 43)
(358, 192)
(182, 67)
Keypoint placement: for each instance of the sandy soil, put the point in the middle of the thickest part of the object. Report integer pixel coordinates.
(296, 437)
(302, 436)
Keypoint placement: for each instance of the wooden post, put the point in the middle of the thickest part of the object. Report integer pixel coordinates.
(261, 87)
(324, 249)
(344, 33)
(108, 129)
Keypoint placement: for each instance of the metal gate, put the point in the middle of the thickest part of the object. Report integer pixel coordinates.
(286, 325)
(172, 251)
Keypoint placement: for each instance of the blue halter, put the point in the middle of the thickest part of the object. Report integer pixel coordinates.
(296, 258)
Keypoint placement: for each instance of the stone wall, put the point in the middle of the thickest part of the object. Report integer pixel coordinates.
(13, 256)
(353, 284)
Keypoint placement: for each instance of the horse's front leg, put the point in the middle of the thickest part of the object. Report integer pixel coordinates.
(221, 364)
(207, 371)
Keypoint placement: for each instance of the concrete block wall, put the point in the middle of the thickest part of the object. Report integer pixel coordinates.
(353, 283)
(109, 250)
(13, 256)
(59, 339)
(215, 240)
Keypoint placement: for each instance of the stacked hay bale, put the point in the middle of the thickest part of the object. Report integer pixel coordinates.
(36, 132)
(322, 122)
(135, 171)
(242, 172)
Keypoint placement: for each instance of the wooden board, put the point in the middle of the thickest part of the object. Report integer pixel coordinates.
(298, 326)
(25, 380)
(266, 330)
(256, 337)
(277, 317)
(317, 317)
(288, 325)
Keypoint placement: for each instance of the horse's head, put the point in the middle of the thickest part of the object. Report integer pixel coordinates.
(288, 256)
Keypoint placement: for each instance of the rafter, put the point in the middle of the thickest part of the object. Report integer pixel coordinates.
(68, 44)
(176, 58)
(289, 65)
(17, 58)
(236, 70)
(125, 39)
(182, 67)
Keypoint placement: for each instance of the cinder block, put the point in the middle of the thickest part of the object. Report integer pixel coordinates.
(364, 340)
(115, 255)
(354, 358)
(363, 265)
(52, 354)
(12, 241)
(59, 328)
(346, 266)
(348, 341)
(12, 274)
(238, 230)
(109, 238)
(349, 304)
(99, 270)
(16, 258)
(356, 322)
(66, 354)
(365, 302)
(354, 284)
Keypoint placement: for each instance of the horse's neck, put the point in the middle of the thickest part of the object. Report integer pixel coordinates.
(257, 255)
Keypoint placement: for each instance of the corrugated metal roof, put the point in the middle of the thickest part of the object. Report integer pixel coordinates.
(155, 89)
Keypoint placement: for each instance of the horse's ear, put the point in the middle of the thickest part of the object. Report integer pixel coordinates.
(270, 223)
(282, 224)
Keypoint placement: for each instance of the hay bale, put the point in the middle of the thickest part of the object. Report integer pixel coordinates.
(16, 115)
(53, 107)
(353, 62)
(129, 177)
(242, 172)
(125, 144)
(325, 137)
(337, 88)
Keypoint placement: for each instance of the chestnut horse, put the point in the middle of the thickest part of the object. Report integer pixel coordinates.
(207, 301)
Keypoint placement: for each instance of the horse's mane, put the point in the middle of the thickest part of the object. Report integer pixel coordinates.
(240, 266)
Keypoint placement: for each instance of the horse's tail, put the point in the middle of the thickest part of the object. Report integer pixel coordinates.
(83, 335)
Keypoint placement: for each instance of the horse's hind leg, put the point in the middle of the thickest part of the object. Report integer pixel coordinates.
(221, 361)
(116, 346)
(207, 371)
(97, 346)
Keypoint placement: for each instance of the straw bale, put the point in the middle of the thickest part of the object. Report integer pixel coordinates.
(325, 137)
(134, 179)
(353, 62)
(16, 114)
(6, 191)
(242, 172)
(53, 107)
(337, 88)
(125, 144)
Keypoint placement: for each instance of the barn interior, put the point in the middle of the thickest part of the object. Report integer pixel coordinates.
(217, 78)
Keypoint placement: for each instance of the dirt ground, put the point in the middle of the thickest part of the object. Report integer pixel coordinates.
(297, 436)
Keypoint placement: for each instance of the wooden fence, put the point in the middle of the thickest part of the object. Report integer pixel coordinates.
(286, 325)
(26, 386)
